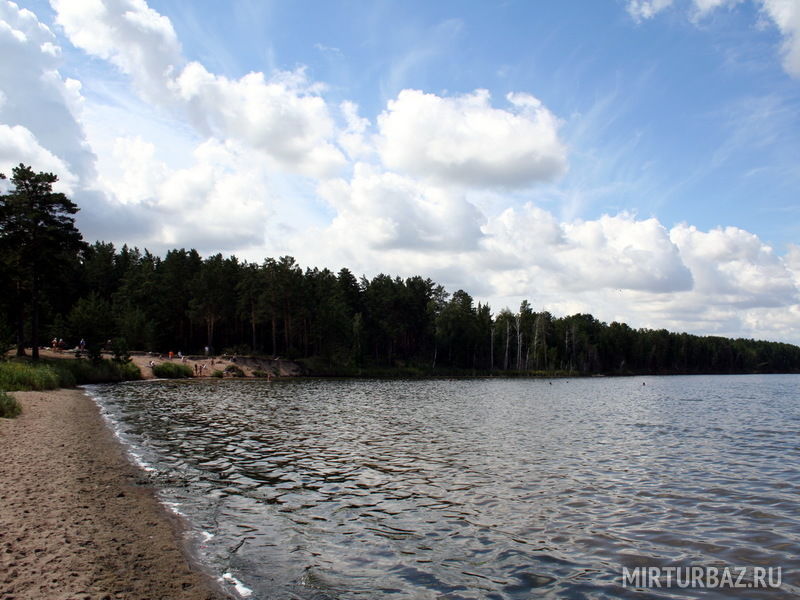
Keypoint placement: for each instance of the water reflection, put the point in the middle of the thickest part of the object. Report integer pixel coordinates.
(476, 489)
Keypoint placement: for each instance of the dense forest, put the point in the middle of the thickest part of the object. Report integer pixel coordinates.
(57, 286)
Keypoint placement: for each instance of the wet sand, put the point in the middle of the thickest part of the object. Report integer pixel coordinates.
(77, 520)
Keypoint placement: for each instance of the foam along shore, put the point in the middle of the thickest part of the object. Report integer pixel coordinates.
(77, 519)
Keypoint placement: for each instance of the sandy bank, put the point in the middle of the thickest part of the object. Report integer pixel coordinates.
(75, 521)
(277, 367)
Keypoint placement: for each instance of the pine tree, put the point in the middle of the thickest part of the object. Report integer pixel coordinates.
(38, 238)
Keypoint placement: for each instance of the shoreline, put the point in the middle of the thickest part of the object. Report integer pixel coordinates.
(77, 518)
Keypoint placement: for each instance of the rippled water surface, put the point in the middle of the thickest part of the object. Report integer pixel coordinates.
(485, 489)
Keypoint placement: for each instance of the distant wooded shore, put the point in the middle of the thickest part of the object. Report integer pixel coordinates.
(333, 324)
(62, 292)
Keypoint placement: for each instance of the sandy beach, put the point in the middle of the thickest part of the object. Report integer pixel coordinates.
(202, 366)
(77, 519)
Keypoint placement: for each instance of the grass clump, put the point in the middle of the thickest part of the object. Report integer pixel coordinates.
(217, 373)
(9, 407)
(262, 374)
(170, 370)
(63, 373)
(26, 376)
(77, 372)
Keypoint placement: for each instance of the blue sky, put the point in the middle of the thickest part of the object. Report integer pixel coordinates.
(637, 159)
(700, 118)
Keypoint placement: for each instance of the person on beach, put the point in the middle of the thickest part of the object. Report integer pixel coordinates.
(171, 354)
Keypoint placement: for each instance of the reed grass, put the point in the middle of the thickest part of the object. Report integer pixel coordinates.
(172, 370)
(28, 376)
(52, 374)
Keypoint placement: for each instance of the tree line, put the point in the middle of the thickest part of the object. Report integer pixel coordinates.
(57, 286)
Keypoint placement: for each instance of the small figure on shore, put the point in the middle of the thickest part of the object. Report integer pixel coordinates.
(206, 350)
(196, 370)
(82, 345)
(202, 368)
(171, 355)
(151, 364)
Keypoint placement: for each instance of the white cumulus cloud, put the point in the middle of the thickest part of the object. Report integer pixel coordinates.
(613, 252)
(391, 211)
(282, 116)
(18, 145)
(734, 265)
(464, 140)
(786, 16)
(130, 34)
(39, 108)
(219, 203)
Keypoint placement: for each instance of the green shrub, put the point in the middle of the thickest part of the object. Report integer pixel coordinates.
(77, 372)
(119, 348)
(169, 370)
(262, 374)
(234, 371)
(27, 376)
(217, 373)
(9, 407)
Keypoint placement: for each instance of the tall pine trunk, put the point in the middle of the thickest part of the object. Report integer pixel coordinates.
(491, 349)
(253, 323)
(508, 335)
(20, 330)
(35, 318)
(210, 330)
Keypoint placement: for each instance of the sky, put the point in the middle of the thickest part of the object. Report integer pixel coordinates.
(634, 159)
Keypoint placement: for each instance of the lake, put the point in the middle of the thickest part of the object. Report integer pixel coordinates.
(473, 489)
